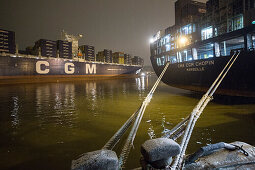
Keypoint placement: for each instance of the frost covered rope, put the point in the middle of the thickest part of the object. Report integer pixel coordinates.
(176, 128)
(195, 114)
(129, 141)
(117, 136)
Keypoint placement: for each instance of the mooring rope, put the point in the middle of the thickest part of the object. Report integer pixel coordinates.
(195, 114)
(129, 141)
(176, 128)
(117, 136)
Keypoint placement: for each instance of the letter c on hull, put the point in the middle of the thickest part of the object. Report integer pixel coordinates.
(39, 70)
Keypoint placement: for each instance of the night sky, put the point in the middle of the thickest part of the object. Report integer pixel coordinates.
(119, 25)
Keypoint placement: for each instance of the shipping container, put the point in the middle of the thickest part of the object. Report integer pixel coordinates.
(47, 48)
(7, 41)
(64, 49)
(137, 60)
(127, 59)
(108, 55)
(118, 57)
(88, 52)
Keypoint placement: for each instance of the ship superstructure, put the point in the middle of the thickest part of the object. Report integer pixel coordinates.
(205, 34)
(74, 39)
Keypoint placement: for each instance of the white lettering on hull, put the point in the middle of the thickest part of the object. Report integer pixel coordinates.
(43, 67)
(196, 66)
(69, 68)
(39, 65)
(92, 69)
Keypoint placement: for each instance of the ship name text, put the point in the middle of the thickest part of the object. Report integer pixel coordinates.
(196, 66)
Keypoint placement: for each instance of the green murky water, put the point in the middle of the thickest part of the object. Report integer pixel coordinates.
(45, 126)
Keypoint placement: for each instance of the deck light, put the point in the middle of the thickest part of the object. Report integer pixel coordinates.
(151, 40)
(183, 41)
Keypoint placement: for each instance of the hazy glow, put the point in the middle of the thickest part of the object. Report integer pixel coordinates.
(183, 40)
(152, 40)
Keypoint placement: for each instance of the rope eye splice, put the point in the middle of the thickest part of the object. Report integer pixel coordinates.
(241, 149)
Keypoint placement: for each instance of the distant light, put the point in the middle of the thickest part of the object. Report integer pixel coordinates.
(253, 22)
(211, 45)
(151, 40)
(183, 40)
(142, 74)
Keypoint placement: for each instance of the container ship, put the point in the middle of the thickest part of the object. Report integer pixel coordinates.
(61, 60)
(202, 41)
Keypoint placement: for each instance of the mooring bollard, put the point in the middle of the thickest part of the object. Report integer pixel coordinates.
(101, 159)
(159, 152)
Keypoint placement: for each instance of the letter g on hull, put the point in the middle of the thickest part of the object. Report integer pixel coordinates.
(69, 68)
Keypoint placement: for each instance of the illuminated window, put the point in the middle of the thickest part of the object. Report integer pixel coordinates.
(206, 33)
(194, 28)
(187, 29)
(205, 51)
(168, 47)
(237, 23)
(158, 61)
(215, 31)
(167, 38)
(163, 60)
(227, 46)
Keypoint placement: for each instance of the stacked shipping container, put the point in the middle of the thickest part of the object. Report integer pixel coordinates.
(100, 56)
(104, 56)
(65, 49)
(48, 48)
(108, 55)
(88, 52)
(7, 41)
(137, 60)
(118, 57)
(127, 59)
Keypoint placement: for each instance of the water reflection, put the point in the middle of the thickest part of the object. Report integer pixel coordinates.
(59, 99)
(15, 111)
(91, 93)
(140, 83)
(59, 121)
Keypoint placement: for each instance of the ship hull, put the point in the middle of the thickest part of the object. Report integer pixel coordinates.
(198, 75)
(15, 69)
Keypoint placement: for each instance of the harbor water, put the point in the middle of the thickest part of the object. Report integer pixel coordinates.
(46, 125)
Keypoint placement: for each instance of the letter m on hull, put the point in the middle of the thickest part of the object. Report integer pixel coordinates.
(91, 69)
